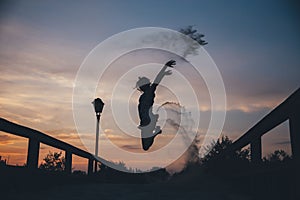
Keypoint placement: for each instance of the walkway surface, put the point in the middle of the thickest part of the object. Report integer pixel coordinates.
(202, 190)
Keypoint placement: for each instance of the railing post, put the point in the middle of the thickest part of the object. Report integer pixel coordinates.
(33, 153)
(95, 166)
(90, 166)
(68, 165)
(294, 121)
(256, 150)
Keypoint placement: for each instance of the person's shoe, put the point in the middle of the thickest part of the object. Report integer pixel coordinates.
(157, 131)
(147, 142)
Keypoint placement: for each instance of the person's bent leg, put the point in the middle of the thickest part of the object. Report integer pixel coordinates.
(147, 138)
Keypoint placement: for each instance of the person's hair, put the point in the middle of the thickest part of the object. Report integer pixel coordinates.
(142, 82)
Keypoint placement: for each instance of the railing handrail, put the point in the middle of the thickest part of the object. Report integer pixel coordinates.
(289, 109)
(19, 130)
(277, 116)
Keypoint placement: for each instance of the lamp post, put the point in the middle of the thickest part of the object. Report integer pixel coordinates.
(98, 105)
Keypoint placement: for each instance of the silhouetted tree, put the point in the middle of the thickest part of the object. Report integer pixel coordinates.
(277, 156)
(220, 145)
(217, 162)
(53, 162)
(216, 147)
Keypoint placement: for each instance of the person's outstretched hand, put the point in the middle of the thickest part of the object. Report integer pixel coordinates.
(171, 63)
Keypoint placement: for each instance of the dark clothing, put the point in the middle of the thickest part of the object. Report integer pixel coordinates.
(148, 120)
(146, 102)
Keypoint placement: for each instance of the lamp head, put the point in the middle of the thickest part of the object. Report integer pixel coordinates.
(98, 105)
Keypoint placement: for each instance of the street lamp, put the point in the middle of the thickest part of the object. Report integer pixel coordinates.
(98, 105)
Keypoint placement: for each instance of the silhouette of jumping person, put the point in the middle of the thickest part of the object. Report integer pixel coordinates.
(148, 119)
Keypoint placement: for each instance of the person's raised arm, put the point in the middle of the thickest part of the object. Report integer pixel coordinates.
(163, 72)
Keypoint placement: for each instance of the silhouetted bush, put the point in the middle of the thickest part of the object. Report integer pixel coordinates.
(215, 160)
(2, 162)
(79, 172)
(278, 156)
(53, 162)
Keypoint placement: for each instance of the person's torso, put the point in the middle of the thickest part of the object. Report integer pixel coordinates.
(147, 98)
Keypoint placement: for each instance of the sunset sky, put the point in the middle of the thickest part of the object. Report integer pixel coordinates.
(43, 43)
